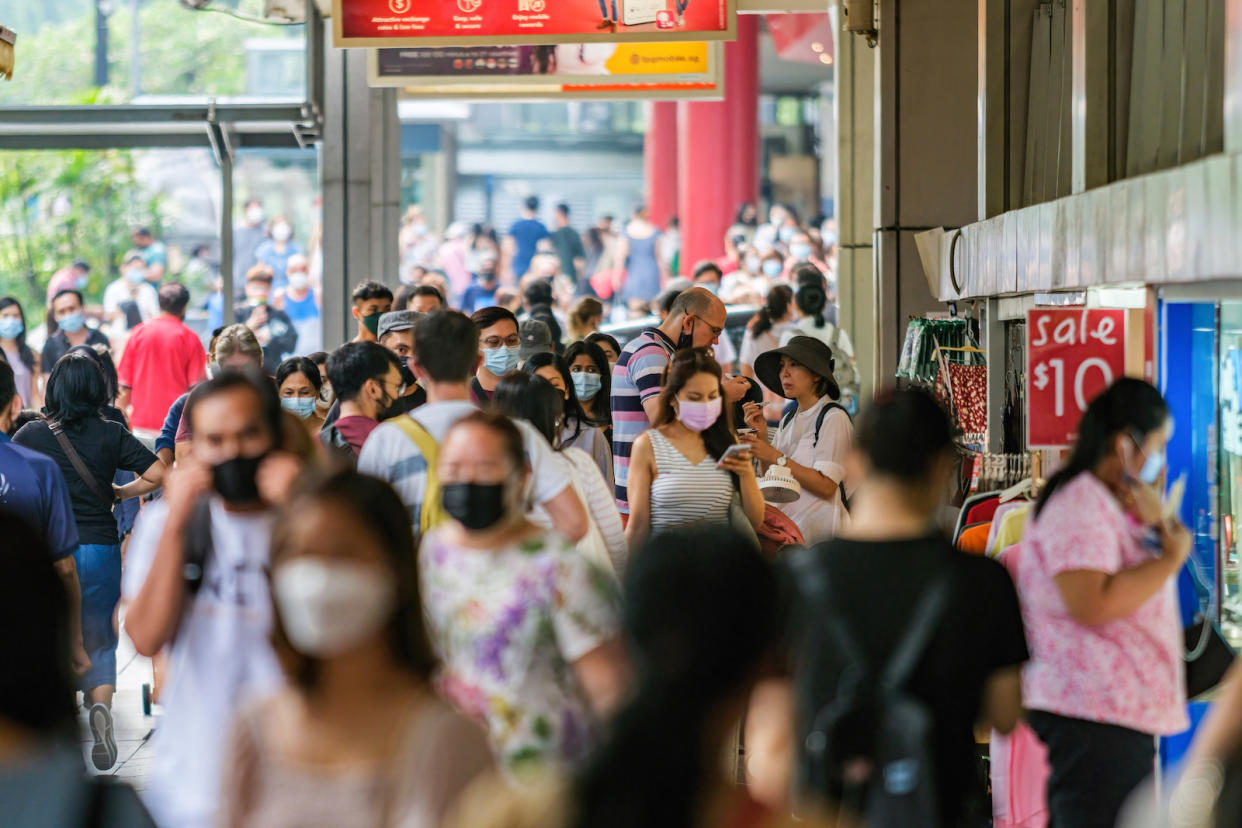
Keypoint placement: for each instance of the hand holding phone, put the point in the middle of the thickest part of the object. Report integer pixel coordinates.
(737, 451)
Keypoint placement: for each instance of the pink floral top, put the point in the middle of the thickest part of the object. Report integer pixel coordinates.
(1128, 672)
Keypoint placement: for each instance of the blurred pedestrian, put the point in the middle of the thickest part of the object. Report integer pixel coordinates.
(76, 276)
(162, 359)
(609, 345)
(576, 429)
(298, 383)
(154, 255)
(71, 329)
(272, 326)
(130, 300)
(17, 353)
(638, 254)
(568, 245)
(482, 291)
(300, 300)
(41, 779)
(425, 299)
(350, 630)
(585, 318)
(371, 301)
(766, 328)
(1097, 577)
(524, 237)
(235, 348)
(526, 626)
(89, 450)
(197, 584)
(366, 378)
(276, 251)
(679, 473)
(247, 237)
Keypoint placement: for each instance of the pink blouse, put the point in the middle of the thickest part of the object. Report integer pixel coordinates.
(1128, 672)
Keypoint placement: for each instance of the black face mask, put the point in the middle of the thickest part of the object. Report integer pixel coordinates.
(236, 480)
(686, 340)
(407, 376)
(476, 506)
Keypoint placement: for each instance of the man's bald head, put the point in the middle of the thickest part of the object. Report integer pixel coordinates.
(697, 314)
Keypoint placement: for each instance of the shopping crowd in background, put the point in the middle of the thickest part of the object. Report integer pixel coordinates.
(488, 564)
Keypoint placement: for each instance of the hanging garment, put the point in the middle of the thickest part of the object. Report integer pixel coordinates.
(974, 539)
(969, 390)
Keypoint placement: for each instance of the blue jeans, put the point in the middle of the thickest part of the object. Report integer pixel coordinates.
(99, 574)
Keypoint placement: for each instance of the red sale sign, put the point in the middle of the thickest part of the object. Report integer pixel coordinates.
(1072, 354)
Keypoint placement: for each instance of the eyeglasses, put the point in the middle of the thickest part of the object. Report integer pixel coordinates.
(715, 331)
(514, 341)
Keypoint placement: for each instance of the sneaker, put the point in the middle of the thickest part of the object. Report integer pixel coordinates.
(103, 754)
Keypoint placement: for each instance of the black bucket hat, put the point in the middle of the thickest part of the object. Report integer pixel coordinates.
(811, 353)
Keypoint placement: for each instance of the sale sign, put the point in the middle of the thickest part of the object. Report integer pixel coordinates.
(1072, 354)
(432, 23)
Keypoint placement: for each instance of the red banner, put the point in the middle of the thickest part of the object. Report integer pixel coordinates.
(1072, 354)
(433, 23)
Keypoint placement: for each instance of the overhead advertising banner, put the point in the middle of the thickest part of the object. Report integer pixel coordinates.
(578, 64)
(535, 91)
(1072, 355)
(431, 23)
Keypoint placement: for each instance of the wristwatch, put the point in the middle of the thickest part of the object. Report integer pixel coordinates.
(780, 461)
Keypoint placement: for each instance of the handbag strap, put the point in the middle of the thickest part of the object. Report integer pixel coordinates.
(78, 466)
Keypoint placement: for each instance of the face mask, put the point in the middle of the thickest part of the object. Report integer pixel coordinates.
(800, 251)
(502, 360)
(699, 416)
(711, 287)
(1150, 473)
(302, 406)
(254, 215)
(135, 275)
(407, 376)
(686, 340)
(329, 607)
(81, 282)
(371, 322)
(586, 386)
(299, 281)
(11, 327)
(282, 232)
(772, 268)
(236, 480)
(476, 506)
(752, 264)
(72, 323)
(787, 233)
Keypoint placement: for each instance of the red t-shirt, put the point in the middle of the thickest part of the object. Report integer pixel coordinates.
(355, 430)
(162, 359)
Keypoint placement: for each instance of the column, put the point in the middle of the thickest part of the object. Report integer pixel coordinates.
(660, 161)
(703, 182)
(742, 100)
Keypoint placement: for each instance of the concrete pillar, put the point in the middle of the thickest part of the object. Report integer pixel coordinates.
(742, 99)
(360, 178)
(660, 161)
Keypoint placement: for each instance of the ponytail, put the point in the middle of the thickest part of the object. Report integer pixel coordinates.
(811, 301)
(776, 306)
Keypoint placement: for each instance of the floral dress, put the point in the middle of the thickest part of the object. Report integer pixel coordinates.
(508, 625)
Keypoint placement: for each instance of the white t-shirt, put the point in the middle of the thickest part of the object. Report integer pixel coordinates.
(818, 519)
(220, 657)
(145, 296)
(769, 340)
(390, 455)
(806, 327)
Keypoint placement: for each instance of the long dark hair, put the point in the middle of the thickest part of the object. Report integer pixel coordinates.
(602, 405)
(102, 357)
(575, 417)
(1128, 406)
(377, 507)
(75, 390)
(532, 398)
(23, 350)
(700, 615)
(811, 299)
(780, 297)
(685, 364)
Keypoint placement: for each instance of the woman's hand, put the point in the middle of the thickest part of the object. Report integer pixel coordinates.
(1144, 502)
(761, 449)
(1175, 541)
(739, 464)
(756, 420)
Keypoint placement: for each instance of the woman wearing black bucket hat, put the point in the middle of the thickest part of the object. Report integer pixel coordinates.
(813, 441)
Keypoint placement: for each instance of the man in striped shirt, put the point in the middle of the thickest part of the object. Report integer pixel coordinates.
(696, 320)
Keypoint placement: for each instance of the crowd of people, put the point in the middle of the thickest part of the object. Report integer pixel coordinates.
(484, 564)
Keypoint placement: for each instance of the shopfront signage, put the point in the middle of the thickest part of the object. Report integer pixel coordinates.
(1072, 354)
(571, 64)
(433, 23)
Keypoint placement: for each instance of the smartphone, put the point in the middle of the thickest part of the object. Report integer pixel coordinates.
(1173, 501)
(735, 450)
(745, 431)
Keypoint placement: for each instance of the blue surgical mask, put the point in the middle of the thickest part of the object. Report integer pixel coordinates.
(81, 282)
(11, 327)
(72, 323)
(711, 287)
(302, 406)
(787, 233)
(586, 385)
(1152, 466)
(772, 268)
(800, 252)
(136, 275)
(502, 360)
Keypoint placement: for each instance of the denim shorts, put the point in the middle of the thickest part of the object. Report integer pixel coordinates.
(99, 574)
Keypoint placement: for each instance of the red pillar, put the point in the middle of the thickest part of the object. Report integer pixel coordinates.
(742, 99)
(660, 161)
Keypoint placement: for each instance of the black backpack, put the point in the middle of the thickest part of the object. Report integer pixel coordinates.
(869, 746)
(792, 409)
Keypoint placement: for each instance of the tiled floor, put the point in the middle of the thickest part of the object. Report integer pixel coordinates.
(132, 728)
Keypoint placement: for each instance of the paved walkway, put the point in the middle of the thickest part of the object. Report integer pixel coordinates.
(132, 729)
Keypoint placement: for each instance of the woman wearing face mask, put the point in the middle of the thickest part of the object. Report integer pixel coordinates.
(592, 378)
(359, 737)
(771, 266)
(276, 251)
(525, 625)
(576, 428)
(18, 354)
(677, 476)
(1097, 578)
(609, 345)
(531, 398)
(501, 348)
(298, 383)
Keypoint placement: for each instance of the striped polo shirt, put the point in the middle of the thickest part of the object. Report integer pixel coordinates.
(638, 376)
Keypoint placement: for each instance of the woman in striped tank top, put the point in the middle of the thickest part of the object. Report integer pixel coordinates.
(676, 476)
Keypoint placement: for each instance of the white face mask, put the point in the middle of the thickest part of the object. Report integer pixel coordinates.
(282, 232)
(254, 214)
(328, 607)
(298, 280)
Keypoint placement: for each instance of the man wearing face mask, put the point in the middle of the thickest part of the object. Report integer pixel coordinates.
(247, 237)
(71, 329)
(396, 333)
(696, 320)
(132, 288)
(301, 302)
(272, 326)
(371, 301)
(277, 250)
(366, 377)
(213, 615)
(500, 345)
